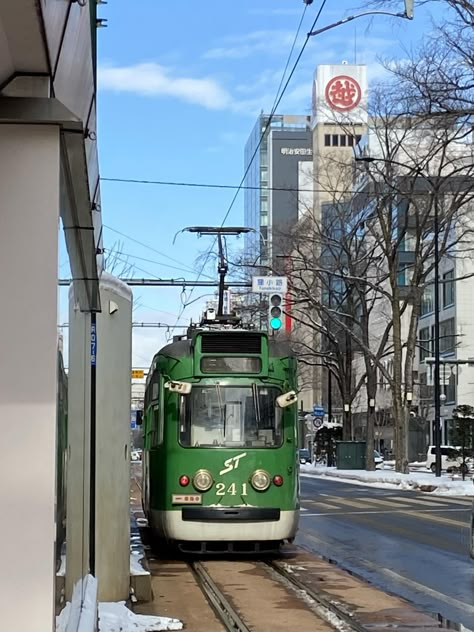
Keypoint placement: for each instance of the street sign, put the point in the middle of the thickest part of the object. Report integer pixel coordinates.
(317, 422)
(318, 411)
(265, 284)
(133, 420)
(93, 344)
(137, 374)
(445, 372)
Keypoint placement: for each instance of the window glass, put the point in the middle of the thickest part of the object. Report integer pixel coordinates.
(427, 300)
(448, 288)
(157, 438)
(447, 336)
(231, 365)
(231, 416)
(327, 140)
(342, 140)
(424, 343)
(335, 140)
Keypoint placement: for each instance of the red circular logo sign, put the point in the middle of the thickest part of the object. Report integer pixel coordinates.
(343, 93)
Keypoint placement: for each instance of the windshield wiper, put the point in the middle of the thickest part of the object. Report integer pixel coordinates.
(221, 407)
(256, 403)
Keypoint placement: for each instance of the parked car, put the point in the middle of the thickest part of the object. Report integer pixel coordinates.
(451, 457)
(136, 455)
(378, 458)
(304, 456)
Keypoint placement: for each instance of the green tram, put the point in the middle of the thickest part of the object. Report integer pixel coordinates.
(220, 469)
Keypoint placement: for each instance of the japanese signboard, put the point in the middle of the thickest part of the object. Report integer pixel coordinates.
(343, 93)
(269, 284)
(340, 94)
(137, 374)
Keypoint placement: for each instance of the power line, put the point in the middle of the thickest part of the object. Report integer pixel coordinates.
(141, 243)
(158, 263)
(278, 98)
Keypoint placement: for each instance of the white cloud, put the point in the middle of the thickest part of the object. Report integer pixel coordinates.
(255, 43)
(150, 79)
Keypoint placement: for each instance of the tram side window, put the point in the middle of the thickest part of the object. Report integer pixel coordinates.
(158, 426)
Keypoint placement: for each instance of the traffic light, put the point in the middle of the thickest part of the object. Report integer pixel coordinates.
(275, 311)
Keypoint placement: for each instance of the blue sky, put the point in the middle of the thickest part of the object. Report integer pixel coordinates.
(180, 87)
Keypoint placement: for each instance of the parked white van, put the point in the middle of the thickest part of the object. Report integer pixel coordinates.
(451, 456)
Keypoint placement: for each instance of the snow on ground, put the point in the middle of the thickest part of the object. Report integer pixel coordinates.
(446, 485)
(116, 617)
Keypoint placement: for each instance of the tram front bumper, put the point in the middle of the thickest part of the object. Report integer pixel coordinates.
(178, 524)
(230, 514)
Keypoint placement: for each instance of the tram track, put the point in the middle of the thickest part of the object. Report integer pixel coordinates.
(223, 609)
(328, 608)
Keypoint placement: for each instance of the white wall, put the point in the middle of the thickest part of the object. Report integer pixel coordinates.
(29, 212)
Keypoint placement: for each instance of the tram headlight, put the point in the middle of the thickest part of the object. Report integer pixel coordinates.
(260, 480)
(203, 480)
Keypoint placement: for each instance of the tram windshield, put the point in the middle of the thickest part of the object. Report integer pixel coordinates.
(231, 416)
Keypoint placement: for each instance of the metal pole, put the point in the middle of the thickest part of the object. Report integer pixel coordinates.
(92, 483)
(437, 391)
(329, 394)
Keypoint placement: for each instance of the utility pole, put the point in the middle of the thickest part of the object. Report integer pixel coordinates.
(222, 267)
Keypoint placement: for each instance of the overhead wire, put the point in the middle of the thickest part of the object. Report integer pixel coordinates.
(158, 263)
(153, 249)
(278, 98)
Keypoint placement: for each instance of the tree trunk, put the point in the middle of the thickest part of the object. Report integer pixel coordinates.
(399, 412)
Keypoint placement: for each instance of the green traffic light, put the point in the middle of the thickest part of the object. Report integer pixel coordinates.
(275, 323)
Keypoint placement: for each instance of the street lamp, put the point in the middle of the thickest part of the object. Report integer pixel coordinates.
(407, 15)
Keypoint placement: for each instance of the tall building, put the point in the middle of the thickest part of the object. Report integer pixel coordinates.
(339, 120)
(277, 169)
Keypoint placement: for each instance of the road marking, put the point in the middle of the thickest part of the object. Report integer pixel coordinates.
(387, 503)
(386, 511)
(351, 503)
(417, 501)
(453, 523)
(403, 580)
(321, 505)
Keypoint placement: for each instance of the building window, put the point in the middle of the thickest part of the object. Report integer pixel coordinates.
(447, 336)
(358, 138)
(424, 343)
(327, 140)
(448, 288)
(350, 141)
(427, 301)
(342, 140)
(335, 140)
(450, 389)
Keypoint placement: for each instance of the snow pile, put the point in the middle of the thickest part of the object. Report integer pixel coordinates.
(116, 617)
(446, 485)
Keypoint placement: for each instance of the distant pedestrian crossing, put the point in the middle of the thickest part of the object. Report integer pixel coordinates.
(447, 510)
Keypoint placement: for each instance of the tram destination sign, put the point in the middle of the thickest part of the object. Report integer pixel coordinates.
(269, 284)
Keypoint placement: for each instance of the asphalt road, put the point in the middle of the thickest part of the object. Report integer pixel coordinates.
(412, 544)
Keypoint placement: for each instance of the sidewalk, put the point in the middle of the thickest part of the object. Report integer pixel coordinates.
(419, 479)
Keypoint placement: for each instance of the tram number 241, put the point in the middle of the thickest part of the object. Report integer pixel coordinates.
(234, 489)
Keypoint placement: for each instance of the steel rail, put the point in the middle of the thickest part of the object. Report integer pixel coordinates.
(218, 601)
(324, 601)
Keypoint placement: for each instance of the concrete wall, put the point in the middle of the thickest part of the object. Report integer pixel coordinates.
(29, 213)
(114, 363)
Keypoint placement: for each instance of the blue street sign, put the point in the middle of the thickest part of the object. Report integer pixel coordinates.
(318, 411)
(133, 420)
(93, 344)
